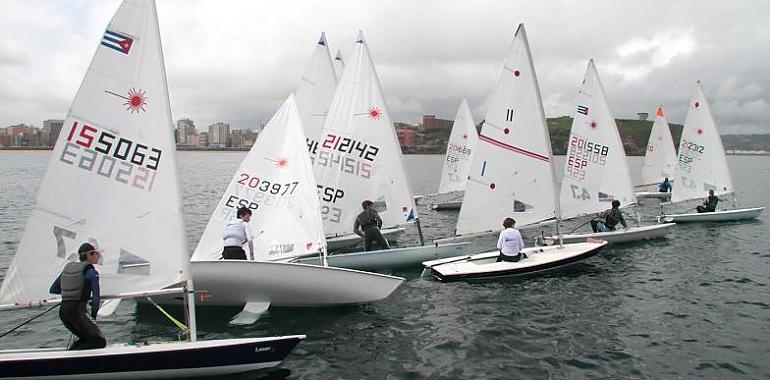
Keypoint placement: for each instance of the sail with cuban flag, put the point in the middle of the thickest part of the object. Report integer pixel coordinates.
(112, 178)
(117, 41)
(596, 172)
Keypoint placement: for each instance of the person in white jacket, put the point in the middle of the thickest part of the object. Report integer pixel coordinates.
(510, 242)
(236, 234)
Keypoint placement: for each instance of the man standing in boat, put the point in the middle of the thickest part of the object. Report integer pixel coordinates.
(611, 218)
(237, 233)
(510, 242)
(78, 282)
(710, 204)
(665, 186)
(367, 226)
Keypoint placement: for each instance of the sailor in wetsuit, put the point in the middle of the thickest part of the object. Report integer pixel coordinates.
(237, 233)
(664, 186)
(710, 204)
(611, 218)
(77, 283)
(367, 226)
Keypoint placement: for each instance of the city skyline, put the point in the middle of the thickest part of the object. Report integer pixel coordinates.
(428, 55)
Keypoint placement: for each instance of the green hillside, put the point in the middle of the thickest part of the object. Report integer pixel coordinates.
(634, 134)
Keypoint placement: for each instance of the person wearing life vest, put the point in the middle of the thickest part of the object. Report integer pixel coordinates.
(236, 234)
(367, 226)
(710, 204)
(78, 282)
(609, 219)
(664, 186)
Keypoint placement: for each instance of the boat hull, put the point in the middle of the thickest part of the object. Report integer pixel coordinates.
(655, 231)
(446, 206)
(236, 282)
(351, 239)
(716, 216)
(653, 194)
(391, 258)
(153, 361)
(485, 266)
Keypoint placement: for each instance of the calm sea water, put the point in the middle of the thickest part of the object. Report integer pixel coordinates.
(695, 305)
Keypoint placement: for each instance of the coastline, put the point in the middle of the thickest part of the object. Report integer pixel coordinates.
(729, 152)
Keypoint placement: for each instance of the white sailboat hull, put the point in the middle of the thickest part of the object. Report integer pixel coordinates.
(236, 282)
(390, 258)
(444, 206)
(655, 231)
(351, 239)
(152, 361)
(484, 265)
(716, 216)
(653, 194)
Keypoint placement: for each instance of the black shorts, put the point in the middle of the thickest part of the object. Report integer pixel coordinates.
(513, 259)
(234, 253)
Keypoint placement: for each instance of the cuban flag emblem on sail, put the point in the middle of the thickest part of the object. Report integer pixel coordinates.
(582, 109)
(117, 41)
(410, 218)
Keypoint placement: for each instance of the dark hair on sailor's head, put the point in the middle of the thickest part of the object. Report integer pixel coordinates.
(711, 191)
(243, 211)
(615, 203)
(84, 249)
(508, 222)
(366, 203)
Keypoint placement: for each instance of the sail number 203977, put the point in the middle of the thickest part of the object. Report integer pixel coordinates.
(266, 186)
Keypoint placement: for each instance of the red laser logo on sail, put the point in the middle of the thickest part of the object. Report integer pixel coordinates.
(135, 101)
(375, 113)
(280, 163)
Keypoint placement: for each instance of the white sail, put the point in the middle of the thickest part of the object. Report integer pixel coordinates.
(359, 156)
(275, 180)
(660, 159)
(459, 151)
(702, 164)
(315, 92)
(339, 64)
(512, 172)
(112, 177)
(596, 172)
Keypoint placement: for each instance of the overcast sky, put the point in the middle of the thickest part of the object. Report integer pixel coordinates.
(235, 61)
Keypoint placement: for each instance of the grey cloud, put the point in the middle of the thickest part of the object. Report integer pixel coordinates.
(235, 61)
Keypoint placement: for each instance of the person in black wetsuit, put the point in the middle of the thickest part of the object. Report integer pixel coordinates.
(367, 226)
(710, 204)
(78, 282)
(609, 219)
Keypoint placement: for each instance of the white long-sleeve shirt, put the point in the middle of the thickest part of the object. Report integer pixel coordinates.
(237, 233)
(510, 242)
